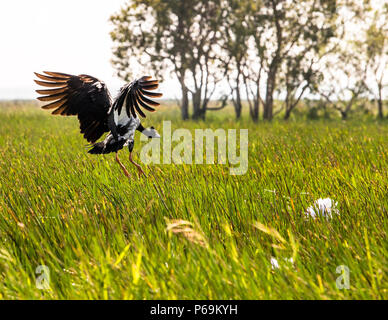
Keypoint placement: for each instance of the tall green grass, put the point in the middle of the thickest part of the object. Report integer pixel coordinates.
(105, 237)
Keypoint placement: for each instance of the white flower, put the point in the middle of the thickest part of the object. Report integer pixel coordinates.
(323, 207)
(275, 263)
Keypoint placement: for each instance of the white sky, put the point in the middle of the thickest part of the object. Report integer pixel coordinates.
(70, 36)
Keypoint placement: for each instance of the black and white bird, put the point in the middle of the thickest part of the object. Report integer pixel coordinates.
(89, 99)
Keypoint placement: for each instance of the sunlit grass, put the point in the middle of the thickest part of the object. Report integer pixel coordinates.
(104, 237)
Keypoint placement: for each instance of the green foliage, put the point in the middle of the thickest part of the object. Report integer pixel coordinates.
(254, 44)
(104, 237)
(262, 50)
(170, 36)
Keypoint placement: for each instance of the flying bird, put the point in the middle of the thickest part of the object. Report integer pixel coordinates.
(89, 99)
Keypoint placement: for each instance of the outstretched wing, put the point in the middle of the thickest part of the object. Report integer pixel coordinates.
(83, 95)
(133, 97)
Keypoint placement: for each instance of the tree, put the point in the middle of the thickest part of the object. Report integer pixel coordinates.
(296, 80)
(287, 39)
(175, 36)
(277, 14)
(234, 46)
(262, 49)
(205, 73)
(343, 85)
(344, 69)
(300, 71)
(240, 62)
(376, 53)
(253, 61)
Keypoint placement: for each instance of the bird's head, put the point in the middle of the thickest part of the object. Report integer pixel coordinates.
(151, 133)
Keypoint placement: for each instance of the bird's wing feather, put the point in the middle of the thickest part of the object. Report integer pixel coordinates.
(133, 97)
(83, 95)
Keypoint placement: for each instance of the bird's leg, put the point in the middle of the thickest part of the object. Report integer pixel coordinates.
(122, 166)
(139, 169)
(131, 144)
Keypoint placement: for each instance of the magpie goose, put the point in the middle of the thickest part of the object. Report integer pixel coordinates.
(89, 99)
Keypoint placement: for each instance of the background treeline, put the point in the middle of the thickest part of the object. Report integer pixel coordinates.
(333, 52)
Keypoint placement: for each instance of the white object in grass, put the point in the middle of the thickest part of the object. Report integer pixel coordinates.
(322, 207)
(275, 263)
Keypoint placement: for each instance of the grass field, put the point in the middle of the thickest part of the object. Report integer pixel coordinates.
(104, 237)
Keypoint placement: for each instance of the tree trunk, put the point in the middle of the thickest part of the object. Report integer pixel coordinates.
(255, 111)
(380, 108)
(237, 104)
(344, 115)
(380, 102)
(185, 103)
(256, 105)
(237, 109)
(273, 68)
(268, 105)
(288, 113)
(198, 113)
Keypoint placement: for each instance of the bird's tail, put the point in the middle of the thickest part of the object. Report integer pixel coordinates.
(105, 147)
